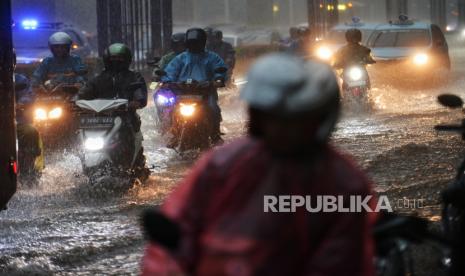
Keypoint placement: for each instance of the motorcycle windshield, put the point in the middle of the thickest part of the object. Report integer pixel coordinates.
(101, 104)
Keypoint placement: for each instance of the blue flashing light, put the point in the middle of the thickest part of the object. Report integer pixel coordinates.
(29, 24)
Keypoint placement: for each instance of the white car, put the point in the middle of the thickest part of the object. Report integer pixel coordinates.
(410, 49)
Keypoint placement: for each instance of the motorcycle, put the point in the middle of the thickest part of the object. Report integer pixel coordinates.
(30, 150)
(453, 212)
(164, 100)
(394, 236)
(29, 142)
(106, 130)
(356, 86)
(183, 111)
(54, 115)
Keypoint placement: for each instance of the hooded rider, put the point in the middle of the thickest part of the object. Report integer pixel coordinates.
(216, 216)
(199, 64)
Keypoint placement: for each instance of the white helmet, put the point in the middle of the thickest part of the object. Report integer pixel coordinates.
(60, 38)
(288, 86)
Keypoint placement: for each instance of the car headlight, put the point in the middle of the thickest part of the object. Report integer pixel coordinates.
(187, 110)
(94, 144)
(355, 73)
(40, 114)
(324, 53)
(420, 59)
(55, 113)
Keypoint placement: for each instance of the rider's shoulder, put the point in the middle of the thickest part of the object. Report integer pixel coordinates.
(75, 57)
(211, 54)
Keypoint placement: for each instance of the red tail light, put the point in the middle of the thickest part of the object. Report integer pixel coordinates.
(13, 166)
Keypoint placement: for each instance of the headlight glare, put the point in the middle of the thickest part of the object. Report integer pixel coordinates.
(162, 100)
(324, 53)
(187, 110)
(94, 144)
(420, 59)
(55, 113)
(40, 114)
(355, 73)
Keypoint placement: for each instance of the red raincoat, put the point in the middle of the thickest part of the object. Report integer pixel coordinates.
(220, 208)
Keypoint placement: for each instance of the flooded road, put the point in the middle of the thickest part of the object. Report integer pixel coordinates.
(63, 227)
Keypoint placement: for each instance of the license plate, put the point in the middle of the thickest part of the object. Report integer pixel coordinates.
(189, 98)
(356, 83)
(96, 122)
(57, 98)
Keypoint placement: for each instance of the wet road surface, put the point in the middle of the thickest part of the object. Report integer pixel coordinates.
(64, 227)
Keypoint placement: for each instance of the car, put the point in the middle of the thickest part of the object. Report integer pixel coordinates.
(335, 38)
(30, 40)
(410, 50)
(233, 39)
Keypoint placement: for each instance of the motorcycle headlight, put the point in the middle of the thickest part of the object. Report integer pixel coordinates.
(420, 59)
(355, 73)
(40, 114)
(55, 113)
(187, 110)
(165, 100)
(94, 144)
(162, 100)
(324, 53)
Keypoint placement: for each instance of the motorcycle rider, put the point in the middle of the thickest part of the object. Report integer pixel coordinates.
(199, 64)
(224, 49)
(178, 45)
(219, 207)
(30, 147)
(61, 67)
(353, 52)
(117, 82)
(301, 44)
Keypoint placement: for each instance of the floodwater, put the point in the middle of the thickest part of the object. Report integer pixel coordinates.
(64, 227)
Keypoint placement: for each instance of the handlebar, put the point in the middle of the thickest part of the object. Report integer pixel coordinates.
(195, 84)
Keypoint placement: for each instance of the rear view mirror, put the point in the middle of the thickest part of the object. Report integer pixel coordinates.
(450, 100)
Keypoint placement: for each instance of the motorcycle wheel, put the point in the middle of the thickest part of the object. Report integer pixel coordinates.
(141, 171)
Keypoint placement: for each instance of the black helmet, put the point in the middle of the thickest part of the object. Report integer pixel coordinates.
(196, 39)
(353, 36)
(117, 57)
(218, 34)
(178, 38)
(208, 31)
(178, 42)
